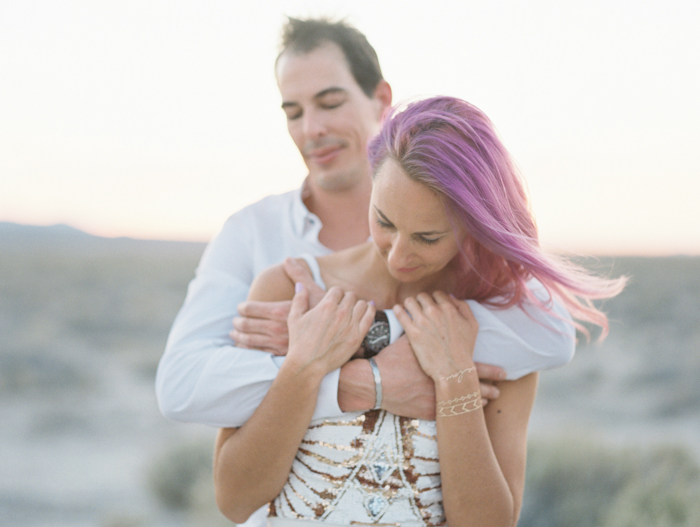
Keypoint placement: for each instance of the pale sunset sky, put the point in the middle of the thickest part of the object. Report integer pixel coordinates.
(158, 119)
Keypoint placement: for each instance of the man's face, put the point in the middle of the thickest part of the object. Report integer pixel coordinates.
(329, 117)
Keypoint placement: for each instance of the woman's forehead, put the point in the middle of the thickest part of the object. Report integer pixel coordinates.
(395, 194)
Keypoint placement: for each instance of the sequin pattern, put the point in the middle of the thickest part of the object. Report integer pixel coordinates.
(372, 467)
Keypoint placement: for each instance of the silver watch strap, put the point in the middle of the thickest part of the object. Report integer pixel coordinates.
(377, 384)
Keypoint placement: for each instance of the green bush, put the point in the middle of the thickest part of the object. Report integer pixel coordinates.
(182, 481)
(575, 483)
(177, 475)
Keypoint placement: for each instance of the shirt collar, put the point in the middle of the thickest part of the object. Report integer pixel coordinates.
(306, 223)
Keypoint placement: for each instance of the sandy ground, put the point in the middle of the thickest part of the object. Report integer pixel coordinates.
(80, 335)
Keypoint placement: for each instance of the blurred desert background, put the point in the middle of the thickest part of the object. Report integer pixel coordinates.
(615, 435)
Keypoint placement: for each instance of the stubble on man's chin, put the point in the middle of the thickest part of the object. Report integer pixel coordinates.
(335, 182)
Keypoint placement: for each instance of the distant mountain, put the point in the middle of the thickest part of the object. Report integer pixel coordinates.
(38, 233)
(15, 236)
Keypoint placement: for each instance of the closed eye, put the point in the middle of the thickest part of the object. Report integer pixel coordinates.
(331, 98)
(332, 106)
(292, 111)
(382, 220)
(427, 241)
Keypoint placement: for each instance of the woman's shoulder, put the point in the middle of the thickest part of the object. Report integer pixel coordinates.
(272, 285)
(343, 268)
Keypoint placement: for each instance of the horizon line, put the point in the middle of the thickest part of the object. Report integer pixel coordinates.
(203, 241)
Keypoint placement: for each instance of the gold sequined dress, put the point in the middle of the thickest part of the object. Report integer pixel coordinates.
(372, 467)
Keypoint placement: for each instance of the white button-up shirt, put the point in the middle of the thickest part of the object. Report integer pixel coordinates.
(204, 378)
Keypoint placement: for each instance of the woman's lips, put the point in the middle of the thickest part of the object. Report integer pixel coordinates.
(407, 269)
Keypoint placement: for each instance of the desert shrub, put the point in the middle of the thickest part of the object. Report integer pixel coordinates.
(570, 483)
(667, 495)
(653, 502)
(38, 371)
(177, 476)
(575, 483)
(182, 481)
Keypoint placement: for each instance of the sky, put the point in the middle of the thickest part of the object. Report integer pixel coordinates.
(159, 119)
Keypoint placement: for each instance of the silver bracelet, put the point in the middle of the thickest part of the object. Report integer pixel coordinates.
(377, 384)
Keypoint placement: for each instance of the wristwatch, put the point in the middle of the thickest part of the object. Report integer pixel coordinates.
(378, 336)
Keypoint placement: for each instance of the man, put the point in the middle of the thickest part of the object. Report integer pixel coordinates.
(334, 96)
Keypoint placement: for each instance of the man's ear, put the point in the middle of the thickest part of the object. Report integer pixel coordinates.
(382, 94)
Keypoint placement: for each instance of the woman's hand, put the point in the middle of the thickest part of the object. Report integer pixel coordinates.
(263, 325)
(442, 332)
(326, 336)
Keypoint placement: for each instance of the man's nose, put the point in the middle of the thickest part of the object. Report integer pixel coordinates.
(314, 125)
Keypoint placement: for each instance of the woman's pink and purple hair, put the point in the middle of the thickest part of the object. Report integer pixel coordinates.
(451, 146)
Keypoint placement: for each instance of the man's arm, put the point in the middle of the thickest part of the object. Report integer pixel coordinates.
(511, 343)
(406, 389)
(202, 377)
(525, 339)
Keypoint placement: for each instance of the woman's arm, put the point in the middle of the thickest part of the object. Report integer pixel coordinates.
(251, 465)
(482, 451)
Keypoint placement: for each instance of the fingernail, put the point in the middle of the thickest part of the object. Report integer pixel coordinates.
(371, 303)
(452, 296)
(298, 287)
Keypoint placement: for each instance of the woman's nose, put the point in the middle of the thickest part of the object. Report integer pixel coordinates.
(398, 252)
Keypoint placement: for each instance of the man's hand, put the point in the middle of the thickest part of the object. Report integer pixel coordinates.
(406, 389)
(488, 374)
(263, 325)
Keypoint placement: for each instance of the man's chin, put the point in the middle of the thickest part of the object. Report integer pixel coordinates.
(335, 180)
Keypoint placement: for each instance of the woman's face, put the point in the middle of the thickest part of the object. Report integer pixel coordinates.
(409, 226)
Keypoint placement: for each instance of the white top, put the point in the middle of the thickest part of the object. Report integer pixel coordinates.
(203, 378)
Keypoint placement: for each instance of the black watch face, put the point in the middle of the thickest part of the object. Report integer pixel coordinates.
(377, 337)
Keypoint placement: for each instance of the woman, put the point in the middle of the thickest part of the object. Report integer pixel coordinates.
(449, 218)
